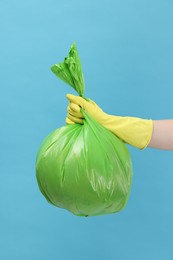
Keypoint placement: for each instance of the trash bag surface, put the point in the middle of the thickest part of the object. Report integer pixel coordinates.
(85, 169)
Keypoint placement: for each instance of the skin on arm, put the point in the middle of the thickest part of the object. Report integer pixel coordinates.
(162, 136)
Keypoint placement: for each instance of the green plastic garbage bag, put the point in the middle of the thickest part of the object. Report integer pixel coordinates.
(85, 168)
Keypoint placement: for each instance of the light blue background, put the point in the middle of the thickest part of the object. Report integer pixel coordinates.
(126, 48)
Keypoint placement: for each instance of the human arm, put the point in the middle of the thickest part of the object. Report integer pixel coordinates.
(162, 135)
(140, 133)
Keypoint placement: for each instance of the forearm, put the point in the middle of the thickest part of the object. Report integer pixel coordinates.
(162, 136)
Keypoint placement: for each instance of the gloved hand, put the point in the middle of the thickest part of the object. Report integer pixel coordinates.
(134, 131)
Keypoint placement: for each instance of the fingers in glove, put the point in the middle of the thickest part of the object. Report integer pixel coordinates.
(74, 114)
(74, 107)
(77, 100)
(69, 122)
(75, 119)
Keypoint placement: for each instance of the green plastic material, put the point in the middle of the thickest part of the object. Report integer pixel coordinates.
(85, 169)
(70, 71)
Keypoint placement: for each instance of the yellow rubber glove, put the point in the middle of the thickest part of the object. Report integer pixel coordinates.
(134, 131)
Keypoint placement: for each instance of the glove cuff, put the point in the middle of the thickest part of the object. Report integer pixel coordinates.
(134, 131)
